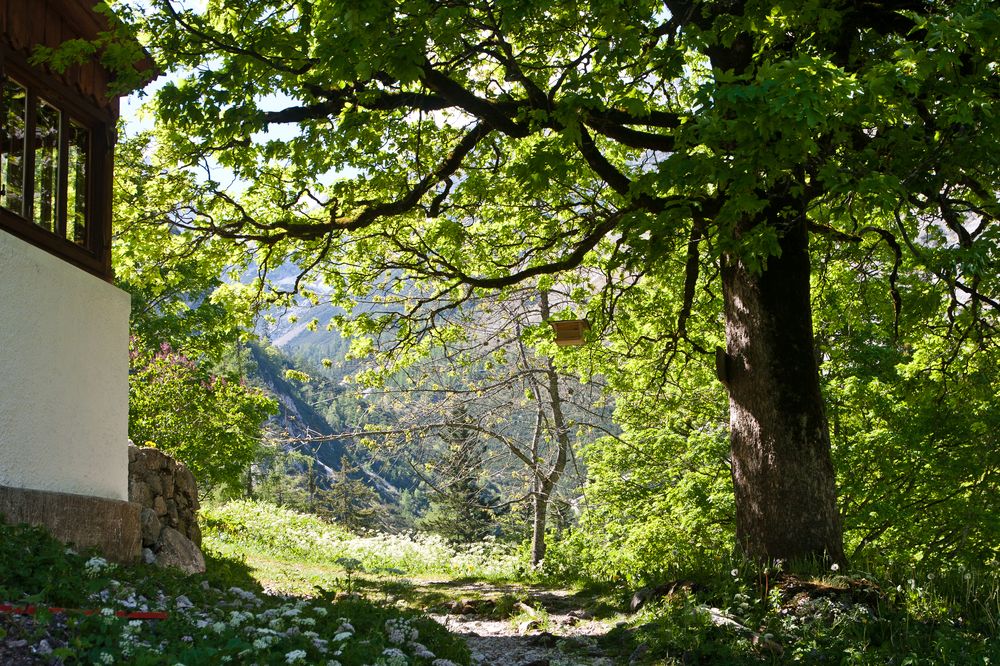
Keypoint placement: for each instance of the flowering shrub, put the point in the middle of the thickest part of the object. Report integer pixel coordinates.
(209, 422)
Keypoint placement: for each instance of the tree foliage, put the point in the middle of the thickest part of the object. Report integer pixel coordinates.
(428, 151)
(460, 509)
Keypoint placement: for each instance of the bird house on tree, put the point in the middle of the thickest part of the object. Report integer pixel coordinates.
(570, 332)
(64, 337)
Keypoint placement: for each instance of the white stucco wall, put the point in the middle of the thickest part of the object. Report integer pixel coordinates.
(63, 376)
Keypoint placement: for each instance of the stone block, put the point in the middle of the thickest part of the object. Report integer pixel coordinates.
(151, 527)
(167, 481)
(110, 526)
(177, 551)
(172, 512)
(139, 492)
(194, 533)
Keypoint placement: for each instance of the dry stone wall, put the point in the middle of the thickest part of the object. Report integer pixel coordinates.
(167, 492)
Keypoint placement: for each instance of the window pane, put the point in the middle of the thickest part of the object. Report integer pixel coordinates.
(13, 112)
(76, 192)
(46, 165)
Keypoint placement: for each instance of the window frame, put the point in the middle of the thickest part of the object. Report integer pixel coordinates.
(94, 255)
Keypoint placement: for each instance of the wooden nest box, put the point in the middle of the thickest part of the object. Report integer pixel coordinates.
(570, 332)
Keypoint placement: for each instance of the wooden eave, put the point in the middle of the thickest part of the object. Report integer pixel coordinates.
(82, 90)
(25, 24)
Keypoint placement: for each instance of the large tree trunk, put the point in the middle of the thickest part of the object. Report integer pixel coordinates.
(786, 503)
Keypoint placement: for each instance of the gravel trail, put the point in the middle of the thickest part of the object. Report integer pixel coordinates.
(563, 636)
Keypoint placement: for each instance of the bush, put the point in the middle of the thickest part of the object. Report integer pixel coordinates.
(212, 423)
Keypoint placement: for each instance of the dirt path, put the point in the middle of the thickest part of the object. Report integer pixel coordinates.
(518, 626)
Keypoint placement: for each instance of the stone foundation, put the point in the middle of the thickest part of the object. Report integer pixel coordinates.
(168, 496)
(107, 525)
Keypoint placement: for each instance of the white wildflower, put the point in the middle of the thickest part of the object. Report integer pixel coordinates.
(94, 566)
(420, 650)
(243, 594)
(395, 657)
(835, 567)
(236, 618)
(399, 631)
(295, 656)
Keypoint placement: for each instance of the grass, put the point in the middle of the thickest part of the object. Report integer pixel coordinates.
(224, 616)
(284, 588)
(265, 532)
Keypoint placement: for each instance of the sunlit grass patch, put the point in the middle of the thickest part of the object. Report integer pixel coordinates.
(261, 530)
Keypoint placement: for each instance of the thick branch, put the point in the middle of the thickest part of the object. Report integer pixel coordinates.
(337, 100)
(630, 137)
(495, 115)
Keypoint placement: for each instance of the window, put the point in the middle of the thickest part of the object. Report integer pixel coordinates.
(54, 166)
(44, 179)
(14, 100)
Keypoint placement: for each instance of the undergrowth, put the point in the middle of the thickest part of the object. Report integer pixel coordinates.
(871, 614)
(348, 589)
(223, 616)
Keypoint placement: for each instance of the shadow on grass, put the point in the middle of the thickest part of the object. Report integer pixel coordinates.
(225, 572)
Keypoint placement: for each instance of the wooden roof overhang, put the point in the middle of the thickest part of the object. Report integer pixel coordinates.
(84, 89)
(25, 24)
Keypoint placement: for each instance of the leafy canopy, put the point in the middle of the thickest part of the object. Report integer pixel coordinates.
(212, 423)
(472, 145)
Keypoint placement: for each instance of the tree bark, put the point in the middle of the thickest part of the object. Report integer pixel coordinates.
(545, 481)
(540, 508)
(786, 503)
